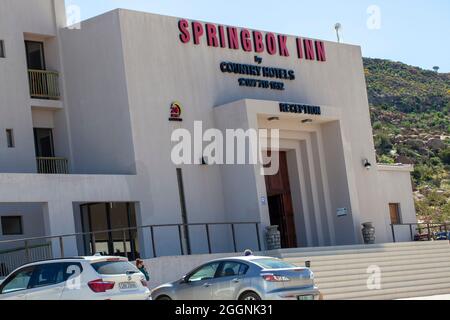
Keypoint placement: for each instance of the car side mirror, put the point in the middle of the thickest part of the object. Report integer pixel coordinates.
(184, 279)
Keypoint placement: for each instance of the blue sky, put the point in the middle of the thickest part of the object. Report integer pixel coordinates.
(416, 32)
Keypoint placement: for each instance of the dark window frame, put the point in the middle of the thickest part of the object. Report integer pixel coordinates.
(241, 264)
(192, 273)
(132, 225)
(10, 138)
(41, 43)
(62, 266)
(2, 49)
(3, 218)
(36, 141)
(111, 268)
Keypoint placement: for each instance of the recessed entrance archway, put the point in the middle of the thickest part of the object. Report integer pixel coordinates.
(281, 209)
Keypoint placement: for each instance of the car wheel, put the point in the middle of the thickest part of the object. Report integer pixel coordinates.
(163, 298)
(250, 296)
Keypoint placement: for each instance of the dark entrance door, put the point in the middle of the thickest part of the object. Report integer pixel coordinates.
(113, 226)
(280, 203)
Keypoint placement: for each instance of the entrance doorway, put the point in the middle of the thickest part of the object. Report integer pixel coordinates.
(281, 209)
(97, 217)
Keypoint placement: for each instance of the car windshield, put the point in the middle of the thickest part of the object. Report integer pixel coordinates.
(114, 267)
(273, 264)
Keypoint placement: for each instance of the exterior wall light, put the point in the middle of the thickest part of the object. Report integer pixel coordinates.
(367, 164)
(307, 121)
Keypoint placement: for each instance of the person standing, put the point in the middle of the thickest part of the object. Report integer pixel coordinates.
(140, 265)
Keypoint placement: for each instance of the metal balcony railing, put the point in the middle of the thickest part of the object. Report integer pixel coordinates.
(44, 84)
(52, 165)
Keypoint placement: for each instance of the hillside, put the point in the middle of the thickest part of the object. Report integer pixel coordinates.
(410, 110)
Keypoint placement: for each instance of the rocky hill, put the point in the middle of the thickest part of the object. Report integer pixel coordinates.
(410, 110)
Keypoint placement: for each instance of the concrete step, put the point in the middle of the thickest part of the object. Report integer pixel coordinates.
(337, 280)
(369, 256)
(393, 293)
(361, 280)
(362, 287)
(411, 269)
(363, 270)
(406, 295)
(382, 264)
(385, 275)
(444, 254)
(334, 251)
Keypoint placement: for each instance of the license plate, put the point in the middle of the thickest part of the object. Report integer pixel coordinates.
(127, 285)
(306, 298)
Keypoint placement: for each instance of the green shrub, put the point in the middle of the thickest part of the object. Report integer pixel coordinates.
(445, 156)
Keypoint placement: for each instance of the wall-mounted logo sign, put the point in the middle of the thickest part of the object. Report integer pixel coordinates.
(176, 111)
(258, 42)
(300, 108)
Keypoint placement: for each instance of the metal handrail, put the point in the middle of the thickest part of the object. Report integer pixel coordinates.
(23, 248)
(152, 228)
(13, 258)
(128, 229)
(51, 158)
(421, 226)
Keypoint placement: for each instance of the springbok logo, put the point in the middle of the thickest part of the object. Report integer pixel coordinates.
(175, 111)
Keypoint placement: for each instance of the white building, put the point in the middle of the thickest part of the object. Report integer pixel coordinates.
(86, 142)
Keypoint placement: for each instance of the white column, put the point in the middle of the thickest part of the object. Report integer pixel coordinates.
(59, 221)
(144, 234)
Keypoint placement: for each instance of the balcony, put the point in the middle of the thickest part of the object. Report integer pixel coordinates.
(44, 84)
(52, 165)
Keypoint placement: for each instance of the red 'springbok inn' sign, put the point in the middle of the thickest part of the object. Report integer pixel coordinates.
(249, 41)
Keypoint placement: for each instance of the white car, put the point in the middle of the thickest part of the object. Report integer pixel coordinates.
(80, 278)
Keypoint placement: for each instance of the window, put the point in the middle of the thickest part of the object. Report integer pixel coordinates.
(204, 273)
(43, 141)
(274, 264)
(12, 226)
(114, 267)
(394, 210)
(233, 269)
(10, 138)
(2, 49)
(54, 273)
(18, 281)
(47, 275)
(35, 55)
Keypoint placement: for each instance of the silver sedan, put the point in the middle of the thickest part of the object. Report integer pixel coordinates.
(242, 278)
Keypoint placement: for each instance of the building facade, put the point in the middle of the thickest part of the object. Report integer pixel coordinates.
(87, 139)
